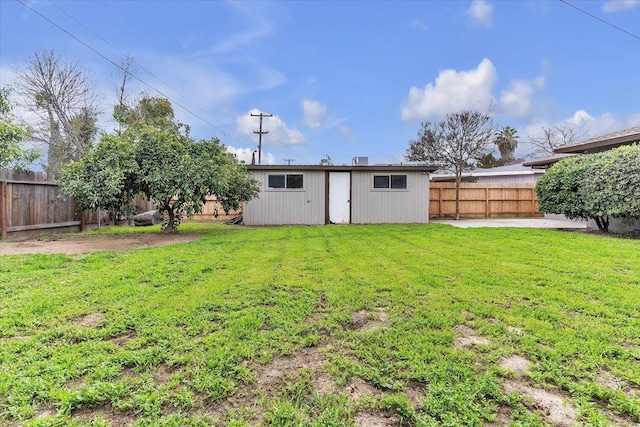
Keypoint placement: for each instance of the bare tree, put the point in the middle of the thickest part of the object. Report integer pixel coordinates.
(552, 137)
(123, 75)
(59, 93)
(455, 142)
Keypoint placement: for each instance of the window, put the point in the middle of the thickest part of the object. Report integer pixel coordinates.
(286, 181)
(393, 182)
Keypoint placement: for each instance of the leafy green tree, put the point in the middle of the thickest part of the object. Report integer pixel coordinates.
(152, 111)
(12, 136)
(177, 173)
(613, 186)
(105, 178)
(456, 142)
(507, 142)
(562, 190)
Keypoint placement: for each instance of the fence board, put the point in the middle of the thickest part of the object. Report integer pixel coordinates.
(483, 200)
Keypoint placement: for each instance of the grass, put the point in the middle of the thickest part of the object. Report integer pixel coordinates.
(243, 326)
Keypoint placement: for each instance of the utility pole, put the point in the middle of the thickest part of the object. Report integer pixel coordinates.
(260, 133)
(288, 161)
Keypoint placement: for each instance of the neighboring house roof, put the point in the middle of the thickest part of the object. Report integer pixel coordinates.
(345, 168)
(545, 162)
(604, 142)
(593, 145)
(508, 170)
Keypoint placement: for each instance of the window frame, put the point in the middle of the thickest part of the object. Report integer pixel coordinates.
(286, 176)
(389, 176)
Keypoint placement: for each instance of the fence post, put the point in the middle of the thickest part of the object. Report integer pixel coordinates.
(486, 202)
(3, 210)
(440, 202)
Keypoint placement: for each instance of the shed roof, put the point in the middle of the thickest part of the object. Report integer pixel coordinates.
(346, 168)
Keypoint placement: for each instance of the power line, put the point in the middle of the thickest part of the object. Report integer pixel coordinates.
(126, 71)
(260, 133)
(138, 64)
(600, 19)
(223, 131)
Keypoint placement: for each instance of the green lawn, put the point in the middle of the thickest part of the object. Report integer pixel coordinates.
(326, 326)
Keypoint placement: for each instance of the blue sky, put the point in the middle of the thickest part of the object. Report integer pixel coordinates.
(346, 78)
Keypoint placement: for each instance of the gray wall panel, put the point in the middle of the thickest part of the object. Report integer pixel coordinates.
(372, 206)
(280, 207)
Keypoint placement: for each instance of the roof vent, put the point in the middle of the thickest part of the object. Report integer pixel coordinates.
(360, 161)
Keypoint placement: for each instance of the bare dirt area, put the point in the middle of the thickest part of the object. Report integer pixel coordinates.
(81, 244)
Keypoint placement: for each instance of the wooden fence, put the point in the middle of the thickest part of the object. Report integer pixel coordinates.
(483, 200)
(30, 202)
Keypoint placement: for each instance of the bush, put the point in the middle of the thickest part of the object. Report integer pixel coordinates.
(595, 186)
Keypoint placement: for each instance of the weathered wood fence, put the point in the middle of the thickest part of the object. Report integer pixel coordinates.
(483, 200)
(30, 202)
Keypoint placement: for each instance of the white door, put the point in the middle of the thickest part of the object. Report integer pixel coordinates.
(339, 195)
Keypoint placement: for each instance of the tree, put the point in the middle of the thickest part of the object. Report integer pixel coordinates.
(104, 178)
(326, 161)
(12, 136)
(613, 185)
(61, 96)
(507, 142)
(454, 142)
(177, 173)
(552, 137)
(152, 111)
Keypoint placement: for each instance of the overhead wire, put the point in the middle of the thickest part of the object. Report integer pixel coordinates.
(150, 86)
(138, 64)
(629, 33)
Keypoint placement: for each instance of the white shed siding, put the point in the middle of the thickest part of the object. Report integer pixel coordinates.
(369, 206)
(278, 207)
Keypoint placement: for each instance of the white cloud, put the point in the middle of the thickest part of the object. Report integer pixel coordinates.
(453, 91)
(472, 89)
(481, 13)
(279, 134)
(246, 154)
(618, 5)
(257, 28)
(515, 101)
(418, 25)
(314, 113)
(346, 132)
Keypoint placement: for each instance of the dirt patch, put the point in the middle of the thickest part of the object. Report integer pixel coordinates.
(268, 375)
(123, 339)
(367, 419)
(368, 321)
(469, 337)
(514, 330)
(91, 320)
(358, 388)
(516, 364)
(415, 391)
(551, 405)
(607, 379)
(503, 418)
(106, 413)
(82, 244)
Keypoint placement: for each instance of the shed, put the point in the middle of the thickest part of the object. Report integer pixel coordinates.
(317, 195)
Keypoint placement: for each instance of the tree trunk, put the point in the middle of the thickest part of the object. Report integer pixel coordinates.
(171, 219)
(602, 223)
(458, 179)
